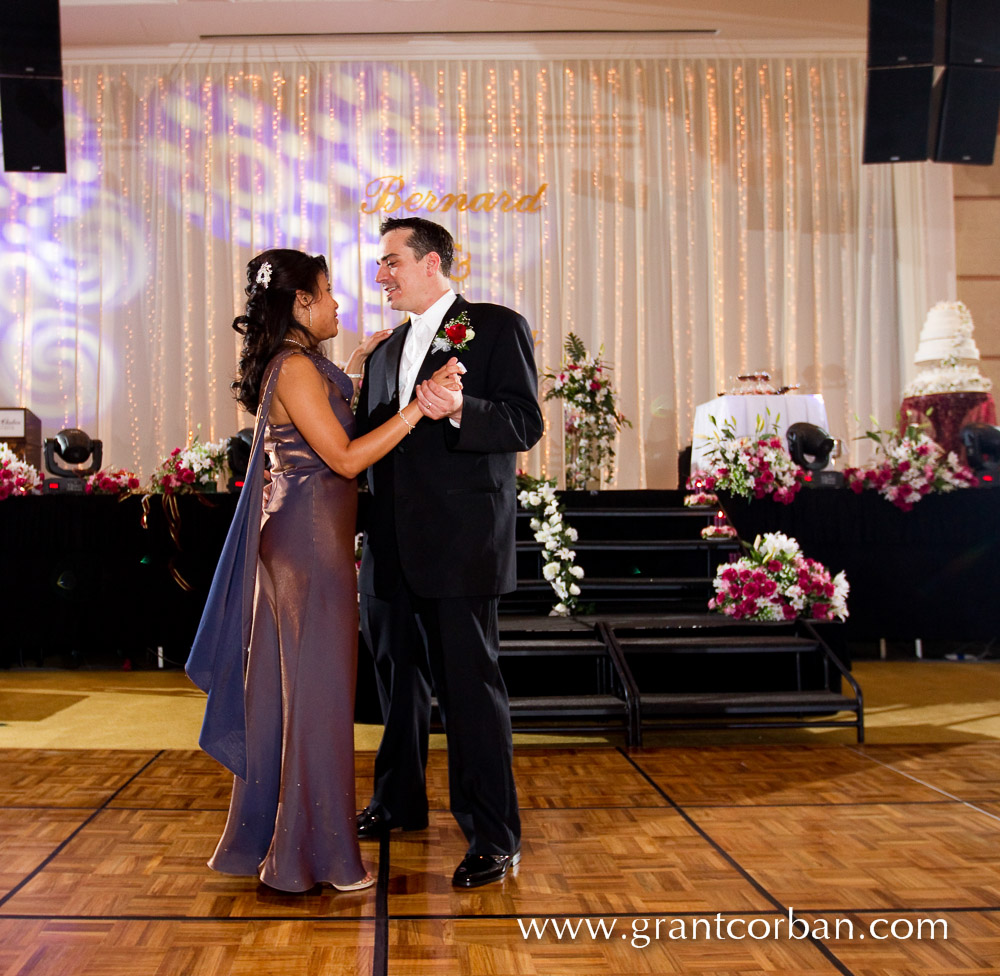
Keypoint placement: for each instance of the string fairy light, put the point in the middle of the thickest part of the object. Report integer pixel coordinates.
(541, 157)
(492, 180)
(680, 316)
(208, 133)
(613, 80)
(742, 214)
(188, 290)
(692, 159)
(718, 250)
(818, 218)
(791, 222)
(463, 158)
(771, 217)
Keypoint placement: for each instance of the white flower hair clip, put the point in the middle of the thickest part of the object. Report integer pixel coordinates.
(264, 274)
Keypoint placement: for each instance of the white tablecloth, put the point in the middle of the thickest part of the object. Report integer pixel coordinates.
(787, 409)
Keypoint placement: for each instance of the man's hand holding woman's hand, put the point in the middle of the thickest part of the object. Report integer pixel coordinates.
(441, 395)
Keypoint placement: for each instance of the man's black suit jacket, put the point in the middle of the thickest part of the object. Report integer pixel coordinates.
(443, 502)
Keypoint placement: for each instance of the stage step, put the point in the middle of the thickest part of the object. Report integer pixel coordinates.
(639, 551)
(561, 676)
(717, 645)
(754, 688)
(541, 706)
(744, 703)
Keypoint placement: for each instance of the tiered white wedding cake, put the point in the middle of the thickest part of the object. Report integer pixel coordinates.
(948, 354)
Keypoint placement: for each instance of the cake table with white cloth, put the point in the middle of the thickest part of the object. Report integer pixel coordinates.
(785, 409)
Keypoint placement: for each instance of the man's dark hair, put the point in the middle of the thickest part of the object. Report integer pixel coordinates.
(425, 236)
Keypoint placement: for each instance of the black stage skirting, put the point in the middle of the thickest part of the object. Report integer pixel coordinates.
(931, 573)
(80, 575)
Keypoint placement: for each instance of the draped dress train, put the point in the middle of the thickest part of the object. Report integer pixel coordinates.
(292, 820)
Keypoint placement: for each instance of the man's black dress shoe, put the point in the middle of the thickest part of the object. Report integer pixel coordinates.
(372, 825)
(482, 869)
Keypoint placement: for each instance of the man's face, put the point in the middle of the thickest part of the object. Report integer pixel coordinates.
(409, 284)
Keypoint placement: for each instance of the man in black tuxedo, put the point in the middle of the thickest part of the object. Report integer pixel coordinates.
(439, 546)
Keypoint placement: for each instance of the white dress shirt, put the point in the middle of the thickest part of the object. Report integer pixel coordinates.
(418, 340)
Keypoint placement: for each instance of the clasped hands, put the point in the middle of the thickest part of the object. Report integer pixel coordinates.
(441, 395)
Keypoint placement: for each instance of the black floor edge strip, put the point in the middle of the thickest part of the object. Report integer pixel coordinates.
(495, 917)
(380, 955)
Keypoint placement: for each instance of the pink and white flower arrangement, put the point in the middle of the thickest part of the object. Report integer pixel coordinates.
(17, 477)
(718, 532)
(591, 417)
(908, 466)
(198, 468)
(111, 482)
(752, 466)
(700, 499)
(774, 581)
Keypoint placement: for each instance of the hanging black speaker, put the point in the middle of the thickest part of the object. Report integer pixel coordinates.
(902, 32)
(970, 106)
(29, 42)
(898, 114)
(31, 118)
(974, 32)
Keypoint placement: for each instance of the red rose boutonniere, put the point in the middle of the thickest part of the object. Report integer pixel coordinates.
(455, 334)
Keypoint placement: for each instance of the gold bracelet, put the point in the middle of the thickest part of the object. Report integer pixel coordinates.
(408, 424)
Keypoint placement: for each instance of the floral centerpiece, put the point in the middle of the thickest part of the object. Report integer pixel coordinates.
(699, 498)
(111, 482)
(17, 477)
(774, 581)
(908, 466)
(195, 469)
(590, 414)
(556, 538)
(752, 466)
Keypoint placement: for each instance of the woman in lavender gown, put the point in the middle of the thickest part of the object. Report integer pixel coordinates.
(277, 645)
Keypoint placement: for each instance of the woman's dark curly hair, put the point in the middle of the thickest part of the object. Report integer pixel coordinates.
(268, 319)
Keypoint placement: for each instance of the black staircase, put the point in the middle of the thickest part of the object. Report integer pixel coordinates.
(644, 652)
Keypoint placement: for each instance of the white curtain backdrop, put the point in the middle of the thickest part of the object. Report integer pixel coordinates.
(694, 217)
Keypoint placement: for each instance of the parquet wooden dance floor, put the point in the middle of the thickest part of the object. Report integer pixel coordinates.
(664, 860)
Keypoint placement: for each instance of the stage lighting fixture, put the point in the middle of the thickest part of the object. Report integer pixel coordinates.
(810, 447)
(238, 457)
(982, 452)
(74, 447)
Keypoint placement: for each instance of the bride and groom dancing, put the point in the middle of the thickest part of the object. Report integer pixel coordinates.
(444, 403)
